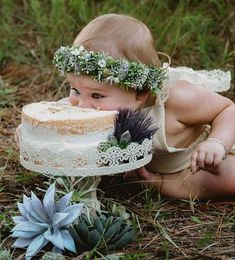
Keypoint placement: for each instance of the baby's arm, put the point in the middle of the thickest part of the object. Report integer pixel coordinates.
(193, 106)
(211, 152)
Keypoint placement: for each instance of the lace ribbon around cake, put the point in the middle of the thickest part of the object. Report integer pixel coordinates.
(113, 161)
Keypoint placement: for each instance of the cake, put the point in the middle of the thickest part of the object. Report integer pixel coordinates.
(60, 139)
(57, 137)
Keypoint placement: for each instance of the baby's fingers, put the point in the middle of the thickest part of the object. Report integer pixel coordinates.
(217, 160)
(209, 160)
(201, 160)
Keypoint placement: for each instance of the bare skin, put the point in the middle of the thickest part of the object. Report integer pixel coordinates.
(186, 111)
(217, 183)
(208, 176)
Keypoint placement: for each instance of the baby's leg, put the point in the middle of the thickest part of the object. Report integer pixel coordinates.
(203, 185)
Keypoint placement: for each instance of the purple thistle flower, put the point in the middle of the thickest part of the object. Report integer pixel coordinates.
(77, 67)
(139, 125)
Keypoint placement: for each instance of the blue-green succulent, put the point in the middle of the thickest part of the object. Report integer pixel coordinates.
(101, 232)
(45, 221)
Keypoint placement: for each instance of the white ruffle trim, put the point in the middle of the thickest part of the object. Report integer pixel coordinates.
(216, 80)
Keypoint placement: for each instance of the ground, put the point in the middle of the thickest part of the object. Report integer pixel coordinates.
(199, 35)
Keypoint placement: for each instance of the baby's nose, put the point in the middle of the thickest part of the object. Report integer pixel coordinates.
(84, 104)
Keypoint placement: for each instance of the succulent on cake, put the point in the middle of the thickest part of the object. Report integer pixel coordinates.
(123, 142)
(129, 126)
(45, 221)
(101, 232)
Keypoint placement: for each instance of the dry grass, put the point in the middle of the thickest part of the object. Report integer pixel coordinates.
(166, 229)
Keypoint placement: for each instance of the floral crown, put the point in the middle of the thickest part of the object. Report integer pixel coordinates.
(104, 68)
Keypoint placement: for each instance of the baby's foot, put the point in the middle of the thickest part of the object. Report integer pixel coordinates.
(144, 176)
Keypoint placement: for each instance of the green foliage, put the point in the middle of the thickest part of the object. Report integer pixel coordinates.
(125, 140)
(184, 29)
(119, 211)
(26, 177)
(52, 256)
(5, 254)
(7, 95)
(207, 238)
(6, 222)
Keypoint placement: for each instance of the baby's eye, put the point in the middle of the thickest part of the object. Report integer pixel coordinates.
(75, 91)
(97, 96)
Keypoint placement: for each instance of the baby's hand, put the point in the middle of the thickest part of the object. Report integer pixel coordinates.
(207, 155)
(17, 136)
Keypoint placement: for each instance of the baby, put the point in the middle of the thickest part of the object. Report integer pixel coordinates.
(192, 149)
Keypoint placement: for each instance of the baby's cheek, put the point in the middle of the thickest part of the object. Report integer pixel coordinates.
(73, 100)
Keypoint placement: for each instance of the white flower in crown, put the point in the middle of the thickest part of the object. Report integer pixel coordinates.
(81, 49)
(75, 52)
(112, 79)
(116, 80)
(102, 63)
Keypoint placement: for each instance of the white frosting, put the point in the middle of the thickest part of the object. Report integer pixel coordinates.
(44, 146)
(54, 111)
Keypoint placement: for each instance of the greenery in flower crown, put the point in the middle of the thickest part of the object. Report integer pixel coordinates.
(103, 68)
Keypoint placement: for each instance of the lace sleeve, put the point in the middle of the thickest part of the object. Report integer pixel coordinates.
(216, 79)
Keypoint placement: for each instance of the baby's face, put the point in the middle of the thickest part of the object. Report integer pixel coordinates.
(87, 93)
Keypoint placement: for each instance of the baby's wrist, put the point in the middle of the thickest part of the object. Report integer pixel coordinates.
(226, 150)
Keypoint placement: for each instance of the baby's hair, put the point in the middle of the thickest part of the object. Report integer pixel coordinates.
(121, 36)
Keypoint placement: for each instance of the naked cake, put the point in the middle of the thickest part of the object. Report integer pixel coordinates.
(62, 139)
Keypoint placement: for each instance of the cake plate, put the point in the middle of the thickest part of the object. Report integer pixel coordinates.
(110, 162)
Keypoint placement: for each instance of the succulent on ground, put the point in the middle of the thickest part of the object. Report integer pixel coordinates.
(44, 222)
(101, 232)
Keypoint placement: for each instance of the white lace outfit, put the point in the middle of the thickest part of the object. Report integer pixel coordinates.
(168, 159)
(216, 80)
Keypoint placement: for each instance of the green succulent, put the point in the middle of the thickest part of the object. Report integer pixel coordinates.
(52, 256)
(124, 141)
(101, 232)
(120, 211)
(104, 146)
